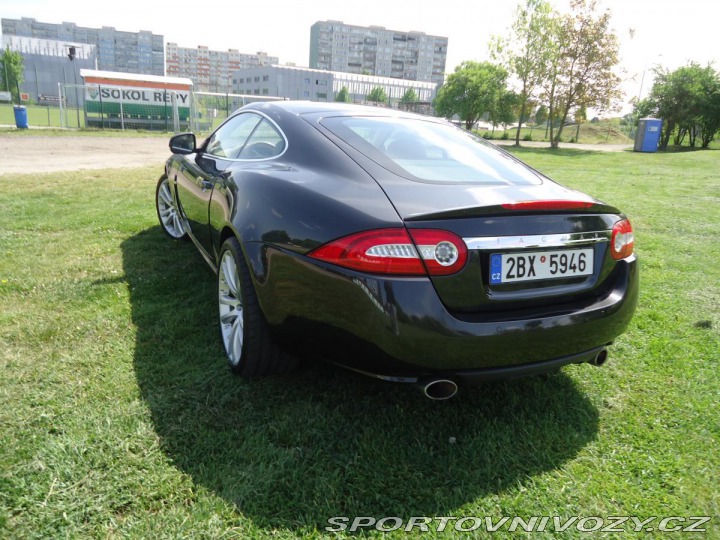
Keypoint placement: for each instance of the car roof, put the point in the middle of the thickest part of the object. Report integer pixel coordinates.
(302, 108)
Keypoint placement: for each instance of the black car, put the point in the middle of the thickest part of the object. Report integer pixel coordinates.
(395, 244)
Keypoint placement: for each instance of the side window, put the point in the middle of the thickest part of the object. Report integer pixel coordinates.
(264, 142)
(229, 139)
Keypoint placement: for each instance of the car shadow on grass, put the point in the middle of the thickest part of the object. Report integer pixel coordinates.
(292, 452)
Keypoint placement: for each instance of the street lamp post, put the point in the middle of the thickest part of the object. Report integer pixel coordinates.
(637, 103)
(71, 56)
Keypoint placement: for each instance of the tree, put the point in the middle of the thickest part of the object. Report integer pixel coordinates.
(377, 95)
(472, 90)
(504, 110)
(580, 70)
(710, 119)
(527, 51)
(343, 96)
(12, 72)
(688, 101)
(410, 96)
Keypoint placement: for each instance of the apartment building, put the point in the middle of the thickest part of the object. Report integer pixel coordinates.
(375, 50)
(211, 70)
(128, 52)
(293, 82)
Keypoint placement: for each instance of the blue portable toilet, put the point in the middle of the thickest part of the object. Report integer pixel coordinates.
(647, 137)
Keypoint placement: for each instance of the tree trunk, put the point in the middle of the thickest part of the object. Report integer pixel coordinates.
(556, 141)
(706, 138)
(553, 144)
(520, 123)
(679, 136)
(669, 127)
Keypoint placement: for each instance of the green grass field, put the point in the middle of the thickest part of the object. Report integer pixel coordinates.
(37, 116)
(118, 417)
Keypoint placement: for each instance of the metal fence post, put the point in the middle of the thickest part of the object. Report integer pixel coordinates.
(102, 115)
(62, 110)
(176, 113)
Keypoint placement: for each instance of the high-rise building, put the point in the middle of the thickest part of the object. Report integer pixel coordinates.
(211, 70)
(375, 50)
(129, 52)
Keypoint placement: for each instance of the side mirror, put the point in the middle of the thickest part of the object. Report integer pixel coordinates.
(183, 144)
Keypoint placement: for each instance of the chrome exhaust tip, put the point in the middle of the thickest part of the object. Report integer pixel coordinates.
(438, 389)
(600, 358)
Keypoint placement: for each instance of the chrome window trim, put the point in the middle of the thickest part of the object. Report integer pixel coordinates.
(537, 240)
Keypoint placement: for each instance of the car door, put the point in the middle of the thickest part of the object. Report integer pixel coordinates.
(199, 175)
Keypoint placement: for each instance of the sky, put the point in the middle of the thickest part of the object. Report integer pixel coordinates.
(669, 33)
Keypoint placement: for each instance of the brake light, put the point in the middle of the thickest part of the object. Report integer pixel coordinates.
(392, 251)
(547, 205)
(622, 240)
(443, 252)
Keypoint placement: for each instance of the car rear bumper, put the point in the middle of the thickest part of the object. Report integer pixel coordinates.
(474, 377)
(398, 326)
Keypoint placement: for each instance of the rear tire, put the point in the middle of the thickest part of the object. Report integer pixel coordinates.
(245, 334)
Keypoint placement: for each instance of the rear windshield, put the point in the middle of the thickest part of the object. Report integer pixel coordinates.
(429, 151)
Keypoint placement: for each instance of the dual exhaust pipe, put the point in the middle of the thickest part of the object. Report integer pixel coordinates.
(441, 389)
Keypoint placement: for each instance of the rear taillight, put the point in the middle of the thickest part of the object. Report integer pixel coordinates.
(622, 241)
(392, 251)
(443, 252)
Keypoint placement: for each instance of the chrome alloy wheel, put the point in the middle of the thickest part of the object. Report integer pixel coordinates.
(230, 302)
(168, 212)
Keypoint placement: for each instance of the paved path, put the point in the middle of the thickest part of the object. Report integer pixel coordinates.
(576, 146)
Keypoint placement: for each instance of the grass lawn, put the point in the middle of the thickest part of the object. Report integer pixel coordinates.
(118, 417)
(38, 115)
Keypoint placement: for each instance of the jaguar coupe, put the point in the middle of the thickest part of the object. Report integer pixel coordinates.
(396, 245)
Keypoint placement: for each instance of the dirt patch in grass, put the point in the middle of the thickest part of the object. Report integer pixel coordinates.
(38, 154)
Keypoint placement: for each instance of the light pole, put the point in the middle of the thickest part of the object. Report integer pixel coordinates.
(71, 56)
(7, 81)
(637, 103)
(642, 79)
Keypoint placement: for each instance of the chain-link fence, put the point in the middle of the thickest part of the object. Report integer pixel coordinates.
(140, 108)
(210, 109)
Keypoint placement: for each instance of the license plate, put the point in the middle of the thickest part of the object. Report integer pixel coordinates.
(512, 267)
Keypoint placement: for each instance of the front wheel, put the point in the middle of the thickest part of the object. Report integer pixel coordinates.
(246, 338)
(167, 210)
